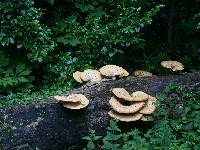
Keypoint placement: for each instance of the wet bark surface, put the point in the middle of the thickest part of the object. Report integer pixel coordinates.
(45, 124)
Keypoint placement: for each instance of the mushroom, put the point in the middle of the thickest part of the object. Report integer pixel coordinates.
(91, 75)
(149, 107)
(125, 117)
(73, 101)
(71, 98)
(113, 71)
(139, 96)
(141, 73)
(173, 65)
(122, 93)
(77, 76)
(132, 108)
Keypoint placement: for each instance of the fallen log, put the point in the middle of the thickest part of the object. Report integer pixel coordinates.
(45, 124)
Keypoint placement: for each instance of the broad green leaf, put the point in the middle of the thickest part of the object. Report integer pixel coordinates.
(3, 60)
(74, 42)
(51, 2)
(112, 137)
(24, 73)
(10, 72)
(110, 146)
(20, 68)
(22, 79)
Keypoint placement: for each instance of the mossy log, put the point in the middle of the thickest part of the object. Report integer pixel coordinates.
(45, 124)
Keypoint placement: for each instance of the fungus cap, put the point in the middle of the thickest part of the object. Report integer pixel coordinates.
(118, 107)
(77, 76)
(73, 101)
(77, 105)
(125, 117)
(149, 107)
(71, 98)
(173, 65)
(113, 70)
(139, 96)
(122, 93)
(141, 73)
(91, 75)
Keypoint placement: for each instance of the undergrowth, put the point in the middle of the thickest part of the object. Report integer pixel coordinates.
(176, 126)
(29, 95)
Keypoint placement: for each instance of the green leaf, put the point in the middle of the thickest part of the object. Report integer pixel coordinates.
(91, 145)
(74, 42)
(20, 68)
(111, 146)
(51, 2)
(25, 73)
(10, 72)
(113, 126)
(112, 137)
(22, 79)
(3, 60)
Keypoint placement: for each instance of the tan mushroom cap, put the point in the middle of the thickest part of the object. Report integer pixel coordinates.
(77, 76)
(91, 75)
(122, 93)
(118, 107)
(173, 65)
(113, 70)
(77, 105)
(149, 107)
(141, 73)
(71, 98)
(125, 117)
(73, 101)
(139, 96)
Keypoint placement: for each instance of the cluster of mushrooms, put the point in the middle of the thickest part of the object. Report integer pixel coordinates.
(131, 107)
(126, 107)
(107, 71)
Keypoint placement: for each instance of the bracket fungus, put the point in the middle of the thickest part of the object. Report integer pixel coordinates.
(124, 117)
(91, 75)
(126, 107)
(87, 75)
(120, 108)
(73, 101)
(139, 96)
(77, 76)
(141, 73)
(122, 93)
(173, 65)
(149, 107)
(112, 71)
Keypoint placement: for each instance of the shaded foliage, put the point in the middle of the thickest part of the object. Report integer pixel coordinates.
(176, 125)
(54, 38)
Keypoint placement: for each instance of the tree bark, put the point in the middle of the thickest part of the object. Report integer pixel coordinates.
(45, 124)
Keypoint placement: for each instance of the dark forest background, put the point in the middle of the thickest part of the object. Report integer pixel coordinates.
(42, 42)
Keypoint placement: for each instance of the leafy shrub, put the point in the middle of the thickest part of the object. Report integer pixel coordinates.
(176, 126)
(13, 76)
(95, 32)
(105, 29)
(21, 27)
